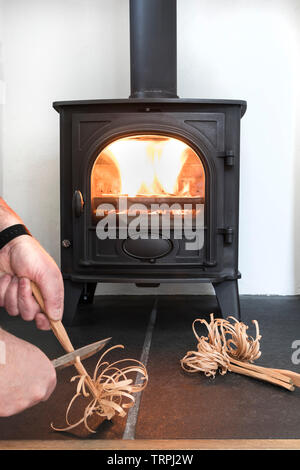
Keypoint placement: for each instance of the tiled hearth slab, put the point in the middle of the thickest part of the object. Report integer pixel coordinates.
(175, 405)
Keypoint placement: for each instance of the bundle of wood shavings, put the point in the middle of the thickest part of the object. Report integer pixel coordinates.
(227, 347)
(114, 387)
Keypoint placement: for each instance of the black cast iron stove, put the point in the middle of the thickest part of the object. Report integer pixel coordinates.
(150, 155)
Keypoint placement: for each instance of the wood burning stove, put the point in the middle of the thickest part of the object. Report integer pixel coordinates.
(155, 159)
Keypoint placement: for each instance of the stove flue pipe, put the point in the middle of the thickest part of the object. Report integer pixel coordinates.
(153, 49)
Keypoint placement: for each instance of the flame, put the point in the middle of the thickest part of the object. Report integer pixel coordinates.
(155, 166)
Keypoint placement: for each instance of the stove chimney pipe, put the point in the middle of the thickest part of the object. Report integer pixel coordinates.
(153, 49)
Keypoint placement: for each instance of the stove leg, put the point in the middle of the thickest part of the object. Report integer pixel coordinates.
(87, 296)
(73, 291)
(227, 293)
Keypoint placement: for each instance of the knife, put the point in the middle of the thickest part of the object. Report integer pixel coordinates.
(86, 351)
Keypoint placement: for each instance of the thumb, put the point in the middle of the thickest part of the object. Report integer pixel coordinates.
(52, 290)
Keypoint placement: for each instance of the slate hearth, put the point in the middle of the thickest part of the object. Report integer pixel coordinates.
(186, 406)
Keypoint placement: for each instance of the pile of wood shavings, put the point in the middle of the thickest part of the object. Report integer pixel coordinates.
(114, 383)
(225, 341)
(228, 347)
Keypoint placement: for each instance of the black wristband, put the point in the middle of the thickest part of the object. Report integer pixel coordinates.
(12, 232)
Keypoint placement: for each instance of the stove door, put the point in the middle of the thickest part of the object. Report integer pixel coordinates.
(144, 190)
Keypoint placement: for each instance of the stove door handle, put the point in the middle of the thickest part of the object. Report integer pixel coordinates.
(78, 203)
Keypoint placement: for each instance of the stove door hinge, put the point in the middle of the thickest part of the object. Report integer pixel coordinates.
(228, 156)
(227, 233)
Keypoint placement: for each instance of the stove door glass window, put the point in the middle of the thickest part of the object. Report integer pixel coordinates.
(152, 174)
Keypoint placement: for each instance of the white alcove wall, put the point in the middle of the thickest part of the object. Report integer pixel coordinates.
(239, 49)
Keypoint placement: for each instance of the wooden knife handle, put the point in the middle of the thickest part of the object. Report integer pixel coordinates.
(56, 325)
(62, 336)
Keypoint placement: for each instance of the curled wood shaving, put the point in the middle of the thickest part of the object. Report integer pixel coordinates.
(225, 340)
(238, 344)
(115, 385)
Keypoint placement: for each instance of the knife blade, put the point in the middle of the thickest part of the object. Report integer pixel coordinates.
(86, 351)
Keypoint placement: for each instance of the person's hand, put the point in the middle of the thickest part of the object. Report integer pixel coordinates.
(26, 378)
(24, 260)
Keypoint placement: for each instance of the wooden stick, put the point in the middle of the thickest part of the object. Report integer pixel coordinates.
(263, 370)
(292, 375)
(62, 336)
(260, 376)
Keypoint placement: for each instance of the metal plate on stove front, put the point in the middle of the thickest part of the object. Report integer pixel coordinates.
(147, 248)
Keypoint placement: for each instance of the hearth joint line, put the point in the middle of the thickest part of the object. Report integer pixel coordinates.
(129, 432)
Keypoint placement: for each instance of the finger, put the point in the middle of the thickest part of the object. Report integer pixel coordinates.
(42, 322)
(52, 289)
(27, 306)
(4, 283)
(11, 298)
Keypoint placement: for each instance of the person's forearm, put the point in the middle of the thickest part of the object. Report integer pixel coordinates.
(7, 216)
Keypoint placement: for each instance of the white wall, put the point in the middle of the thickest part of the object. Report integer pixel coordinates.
(296, 195)
(239, 49)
